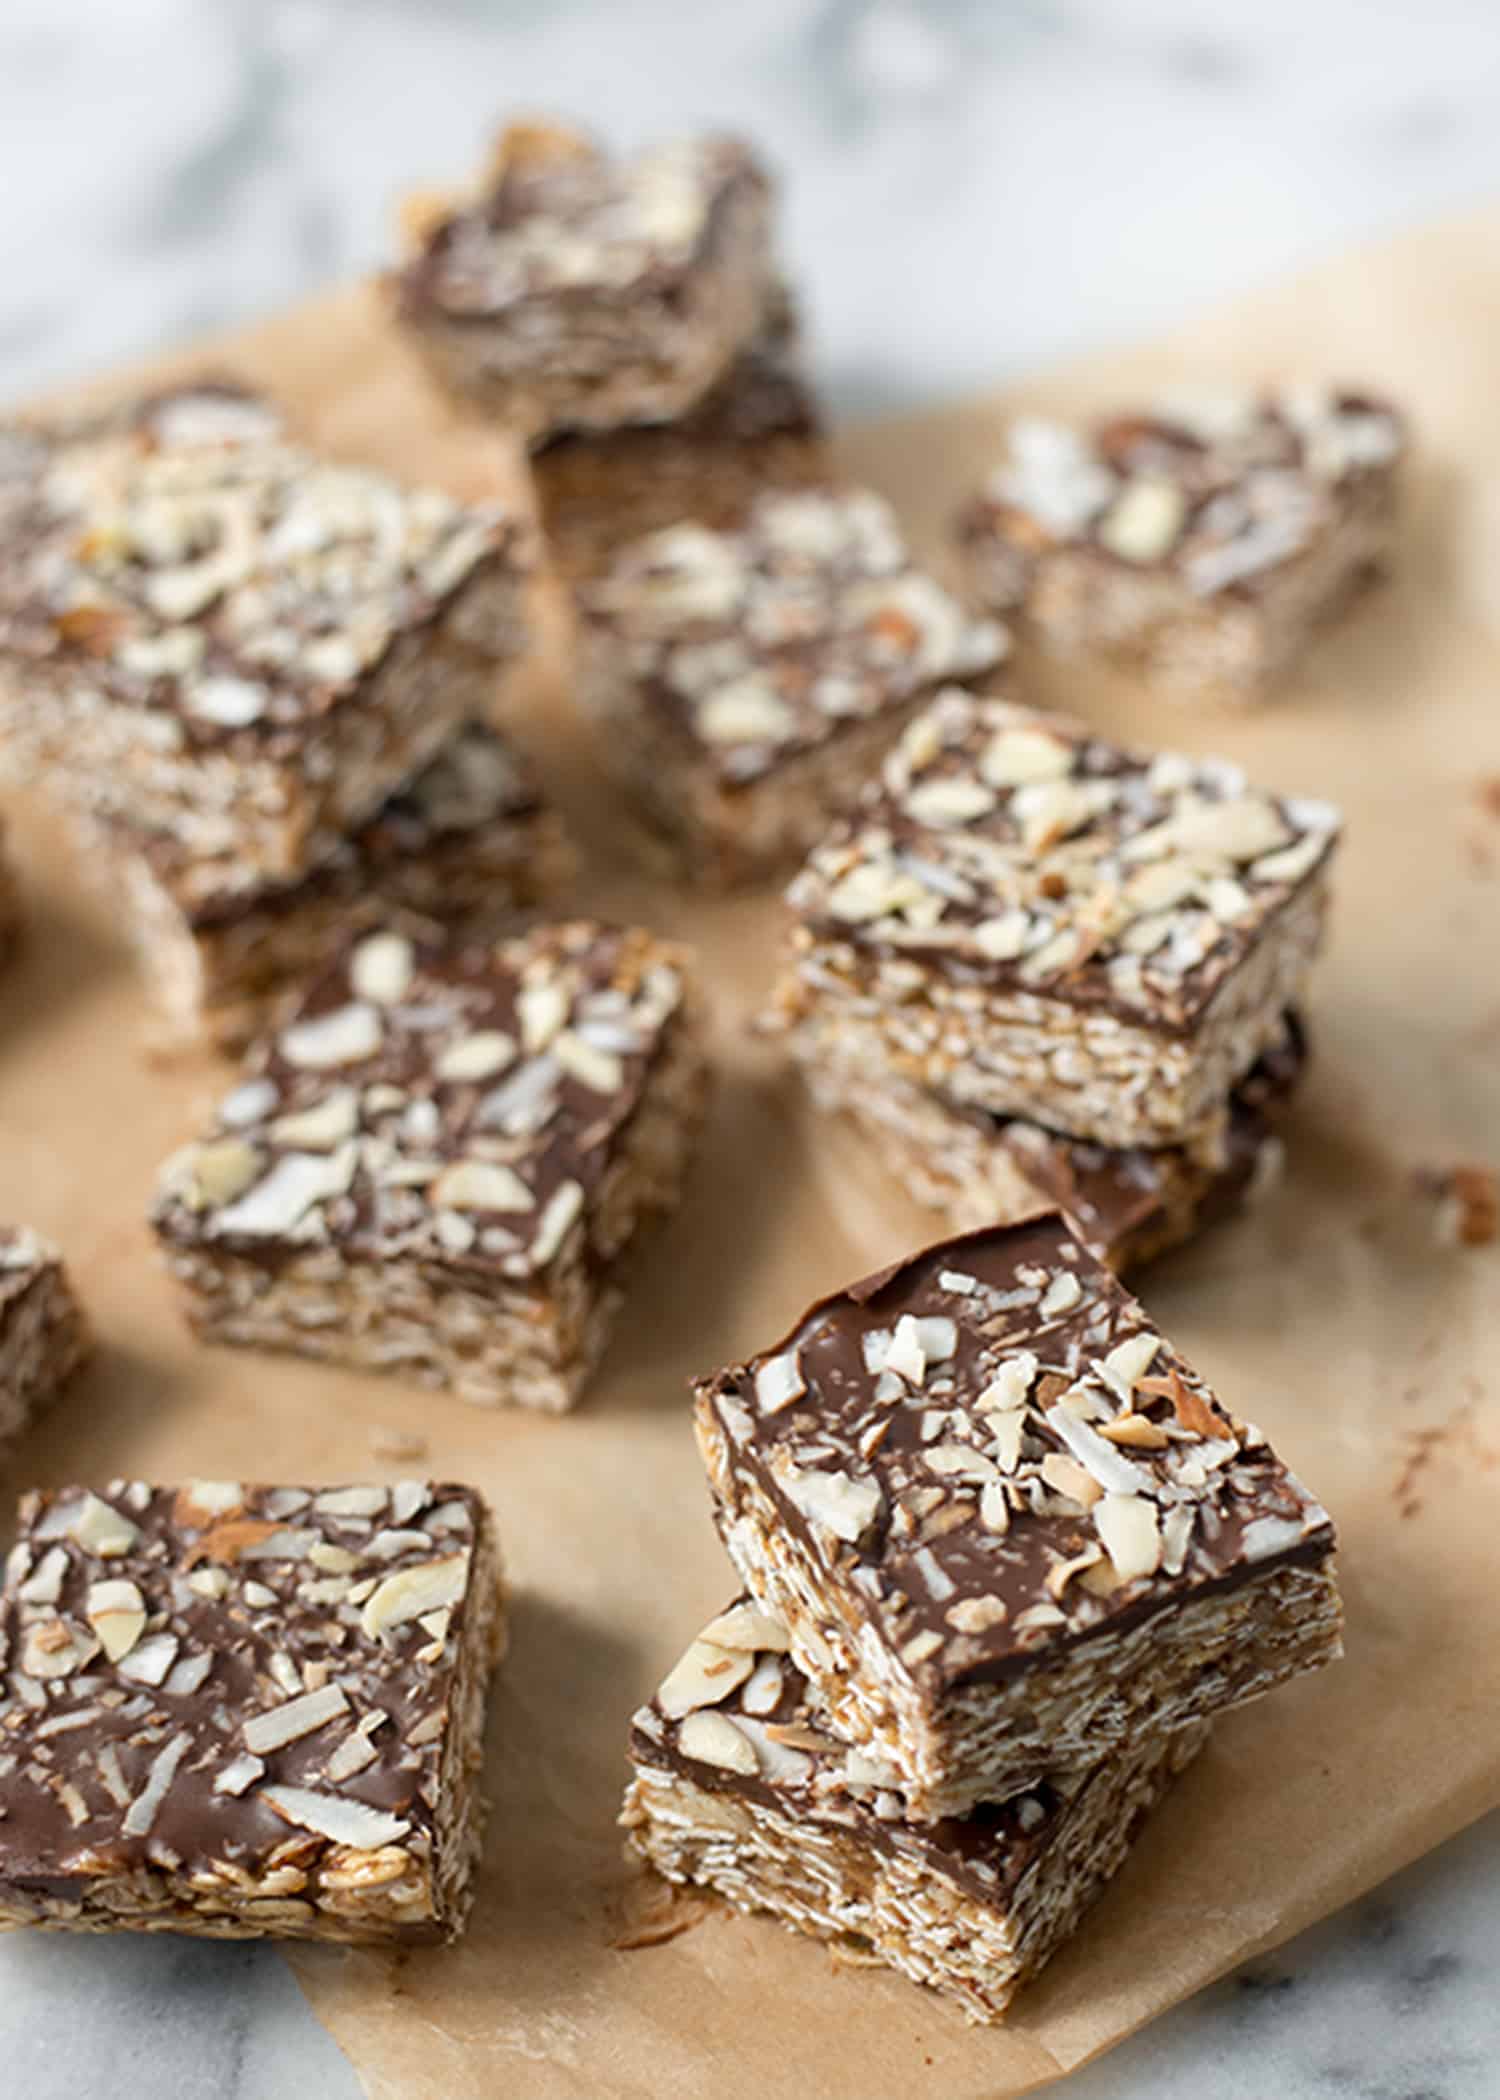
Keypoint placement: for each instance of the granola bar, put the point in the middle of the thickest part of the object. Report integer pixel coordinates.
(1007, 1527)
(219, 635)
(1203, 541)
(1128, 1204)
(577, 291)
(437, 1162)
(739, 1787)
(467, 842)
(1027, 919)
(746, 681)
(246, 1711)
(43, 1334)
(758, 428)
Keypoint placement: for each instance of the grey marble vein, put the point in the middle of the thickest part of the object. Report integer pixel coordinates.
(974, 187)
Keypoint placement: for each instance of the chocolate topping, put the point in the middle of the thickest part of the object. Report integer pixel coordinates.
(178, 1658)
(559, 220)
(192, 562)
(995, 1453)
(1221, 489)
(453, 1105)
(1015, 849)
(764, 641)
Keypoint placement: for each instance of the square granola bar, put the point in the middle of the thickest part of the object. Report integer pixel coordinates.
(1202, 541)
(578, 291)
(758, 428)
(1030, 920)
(1006, 1526)
(221, 636)
(465, 844)
(437, 1162)
(43, 1334)
(746, 681)
(246, 1711)
(739, 1787)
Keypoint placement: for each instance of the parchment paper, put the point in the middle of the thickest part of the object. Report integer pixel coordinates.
(1330, 1316)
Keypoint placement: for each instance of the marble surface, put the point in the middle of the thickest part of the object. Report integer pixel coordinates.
(976, 186)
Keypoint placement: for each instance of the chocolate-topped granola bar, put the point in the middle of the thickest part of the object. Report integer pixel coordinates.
(1202, 540)
(437, 1162)
(577, 291)
(246, 1711)
(758, 428)
(1030, 920)
(1128, 1203)
(739, 1787)
(746, 681)
(467, 842)
(43, 1334)
(219, 635)
(1006, 1526)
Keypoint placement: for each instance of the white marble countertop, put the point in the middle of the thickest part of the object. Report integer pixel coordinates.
(974, 187)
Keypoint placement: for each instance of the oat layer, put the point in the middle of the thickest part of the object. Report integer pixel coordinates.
(739, 1788)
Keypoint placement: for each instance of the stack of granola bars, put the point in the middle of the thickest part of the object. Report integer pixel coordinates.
(627, 318)
(1004, 1556)
(1039, 966)
(259, 681)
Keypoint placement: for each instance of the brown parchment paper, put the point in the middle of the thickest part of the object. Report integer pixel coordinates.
(1330, 1316)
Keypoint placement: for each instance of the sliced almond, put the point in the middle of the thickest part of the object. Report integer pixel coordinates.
(481, 1184)
(949, 800)
(1065, 1476)
(477, 1056)
(1131, 1534)
(704, 1674)
(54, 1648)
(835, 1500)
(117, 1612)
(1135, 1432)
(322, 1126)
(711, 1738)
(408, 1594)
(542, 1008)
(1017, 755)
(100, 1528)
(337, 1817)
(342, 1037)
(1062, 1572)
(747, 1626)
(221, 1170)
(1145, 520)
(293, 1719)
(298, 1183)
(779, 1381)
(1128, 1362)
(205, 1501)
(381, 967)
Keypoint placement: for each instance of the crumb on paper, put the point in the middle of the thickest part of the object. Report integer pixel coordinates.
(397, 1444)
(656, 1911)
(1466, 1204)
